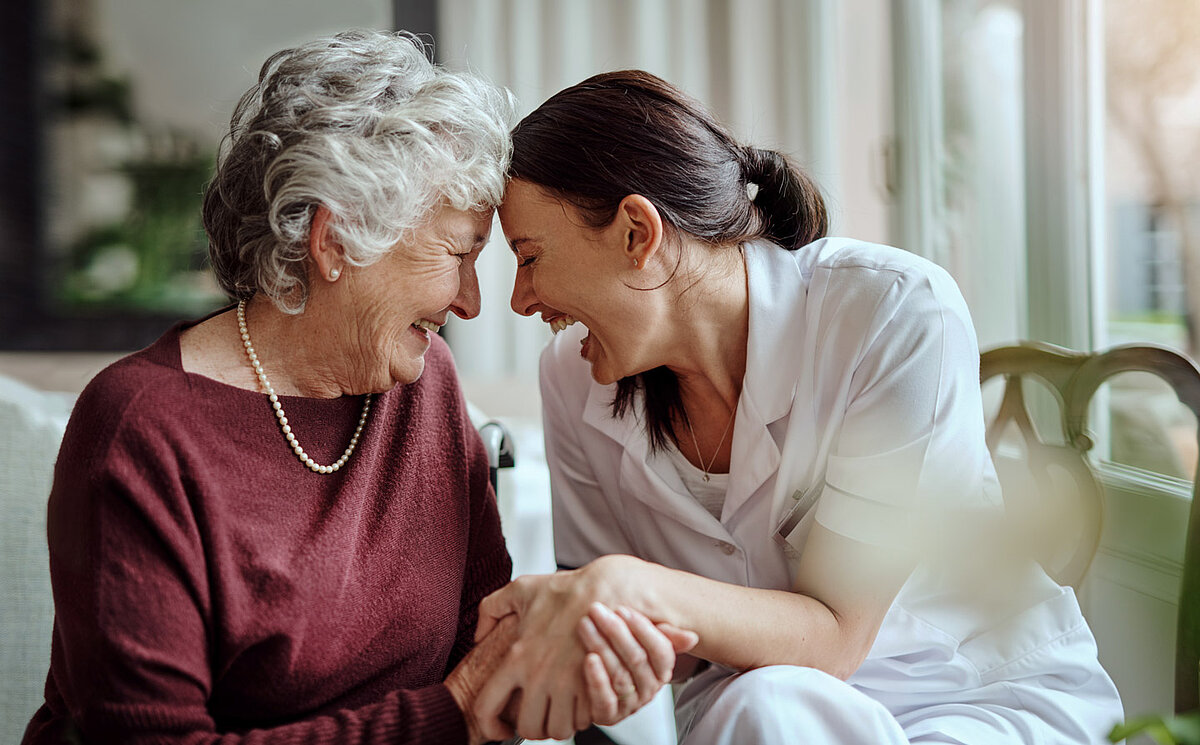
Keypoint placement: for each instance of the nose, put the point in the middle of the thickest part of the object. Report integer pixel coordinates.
(523, 296)
(466, 303)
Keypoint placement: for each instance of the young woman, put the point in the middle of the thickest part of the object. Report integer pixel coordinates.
(772, 438)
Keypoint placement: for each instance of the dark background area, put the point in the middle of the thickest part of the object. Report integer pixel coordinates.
(30, 317)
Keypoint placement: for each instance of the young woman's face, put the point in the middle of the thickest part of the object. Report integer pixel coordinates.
(569, 272)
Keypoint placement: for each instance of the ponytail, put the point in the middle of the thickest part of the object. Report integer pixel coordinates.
(792, 210)
(630, 132)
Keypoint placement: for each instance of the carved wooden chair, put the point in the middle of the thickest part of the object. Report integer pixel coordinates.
(1051, 485)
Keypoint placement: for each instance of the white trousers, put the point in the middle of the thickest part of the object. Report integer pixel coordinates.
(783, 704)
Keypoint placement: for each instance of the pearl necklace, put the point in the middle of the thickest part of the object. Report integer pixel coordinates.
(699, 455)
(278, 407)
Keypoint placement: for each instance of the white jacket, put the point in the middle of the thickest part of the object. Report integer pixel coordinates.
(860, 409)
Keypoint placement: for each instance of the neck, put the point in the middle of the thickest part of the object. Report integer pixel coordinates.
(710, 329)
(299, 353)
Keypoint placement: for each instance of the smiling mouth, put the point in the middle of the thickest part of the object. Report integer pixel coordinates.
(427, 326)
(561, 322)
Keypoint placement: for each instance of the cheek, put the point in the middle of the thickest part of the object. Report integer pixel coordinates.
(453, 284)
(439, 288)
(467, 278)
(556, 285)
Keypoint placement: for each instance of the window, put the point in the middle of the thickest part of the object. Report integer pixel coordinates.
(984, 175)
(1152, 214)
(1043, 158)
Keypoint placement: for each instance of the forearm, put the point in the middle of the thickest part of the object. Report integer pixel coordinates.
(410, 717)
(744, 627)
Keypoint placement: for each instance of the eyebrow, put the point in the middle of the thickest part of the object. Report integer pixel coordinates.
(466, 239)
(515, 243)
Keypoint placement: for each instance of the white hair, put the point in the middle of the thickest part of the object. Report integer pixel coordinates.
(364, 124)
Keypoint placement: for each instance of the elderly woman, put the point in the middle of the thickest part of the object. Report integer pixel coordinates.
(275, 524)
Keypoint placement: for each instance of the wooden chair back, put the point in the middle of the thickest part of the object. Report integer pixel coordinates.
(1051, 485)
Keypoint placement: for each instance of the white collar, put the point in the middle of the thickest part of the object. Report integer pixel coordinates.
(775, 346)
(774, 350)
(776, 286)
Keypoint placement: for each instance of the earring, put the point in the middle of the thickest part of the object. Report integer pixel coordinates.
(635, 262)
(334, 274)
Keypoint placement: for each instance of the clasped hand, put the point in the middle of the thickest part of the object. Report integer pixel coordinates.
(577, 655)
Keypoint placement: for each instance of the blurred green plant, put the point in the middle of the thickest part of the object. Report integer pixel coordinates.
(1151, 316)
(1179, 730)
(88, 89)
(152, 257)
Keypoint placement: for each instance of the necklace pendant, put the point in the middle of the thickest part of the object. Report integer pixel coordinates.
(706, 478)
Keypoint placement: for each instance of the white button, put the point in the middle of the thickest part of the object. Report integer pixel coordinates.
(726, 547)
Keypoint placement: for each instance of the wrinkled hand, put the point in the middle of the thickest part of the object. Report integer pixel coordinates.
(467, 679)
(546, 663)
(629, 659)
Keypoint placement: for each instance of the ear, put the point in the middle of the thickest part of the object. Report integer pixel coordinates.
(324, 250)
(641, 229)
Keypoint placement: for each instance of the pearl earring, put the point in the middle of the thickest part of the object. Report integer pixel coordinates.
(334, 274)
(635, 262)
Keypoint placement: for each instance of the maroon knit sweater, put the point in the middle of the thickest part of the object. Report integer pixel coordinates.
(210, 588)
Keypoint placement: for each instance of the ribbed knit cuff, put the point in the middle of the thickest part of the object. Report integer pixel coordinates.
(434, 716)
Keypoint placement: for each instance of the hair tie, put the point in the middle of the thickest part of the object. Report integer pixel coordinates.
(751, 190)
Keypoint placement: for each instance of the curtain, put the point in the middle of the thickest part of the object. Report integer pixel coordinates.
(764, 67)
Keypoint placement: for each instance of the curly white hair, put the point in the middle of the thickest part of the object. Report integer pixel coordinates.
(364, 124)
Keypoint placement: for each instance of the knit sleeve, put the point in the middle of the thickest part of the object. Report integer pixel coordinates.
(489, 566)
(132, 647)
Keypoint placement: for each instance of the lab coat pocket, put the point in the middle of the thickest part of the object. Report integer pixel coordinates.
(792, 531)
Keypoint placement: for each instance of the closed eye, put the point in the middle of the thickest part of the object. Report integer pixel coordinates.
(516, 245)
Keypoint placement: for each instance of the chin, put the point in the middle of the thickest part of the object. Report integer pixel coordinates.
(412, 376)
(410, 372)
(602, 375)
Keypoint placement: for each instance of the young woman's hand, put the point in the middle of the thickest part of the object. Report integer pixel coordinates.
(629, 659)
(546, 664)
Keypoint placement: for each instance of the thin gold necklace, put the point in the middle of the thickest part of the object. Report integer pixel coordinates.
(278, 407)
(699, 455)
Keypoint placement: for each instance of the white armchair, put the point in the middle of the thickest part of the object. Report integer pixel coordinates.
(31, 426)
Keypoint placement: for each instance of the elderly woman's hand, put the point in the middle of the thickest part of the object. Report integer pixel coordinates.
(467, 679)
(546, 663)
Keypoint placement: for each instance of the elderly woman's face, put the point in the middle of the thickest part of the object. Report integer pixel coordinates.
(568, 272)
(403, 298)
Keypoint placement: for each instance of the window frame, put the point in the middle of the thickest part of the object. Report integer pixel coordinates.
(1140, 552)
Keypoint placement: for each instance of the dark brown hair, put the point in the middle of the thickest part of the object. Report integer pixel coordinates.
(630, 132)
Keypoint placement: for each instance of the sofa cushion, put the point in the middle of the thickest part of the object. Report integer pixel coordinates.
(31, 427)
